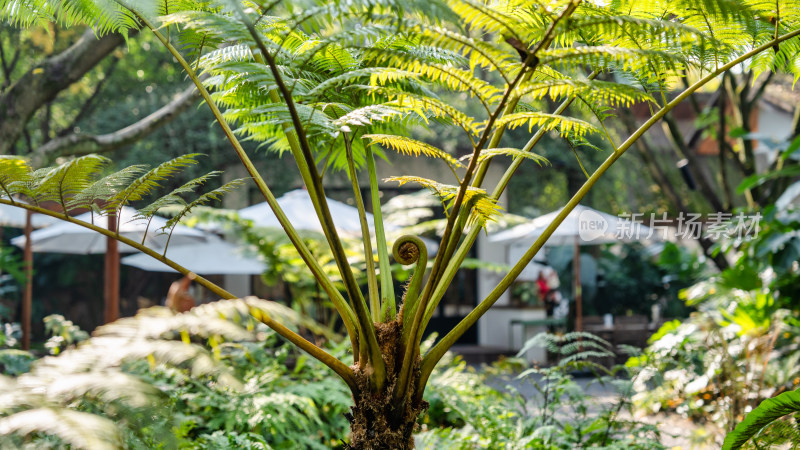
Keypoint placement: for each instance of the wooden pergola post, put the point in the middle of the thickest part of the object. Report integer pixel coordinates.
(111, 287)
(27, 296)
(576, 267)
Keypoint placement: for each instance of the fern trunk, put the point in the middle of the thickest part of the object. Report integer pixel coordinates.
(379, 420)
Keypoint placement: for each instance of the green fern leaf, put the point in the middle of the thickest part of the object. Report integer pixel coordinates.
(146, 183)
(565, 125)
(410, 146)
(15, 175)
(210, 196)
(768, 411)
(603, 92)
(421, 104)
(105, 187)
(514, 153)
(64, 182)
(483, 207)
(174, 197)
(366, 115)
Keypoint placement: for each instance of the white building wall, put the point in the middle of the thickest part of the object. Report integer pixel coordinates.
(774, 125)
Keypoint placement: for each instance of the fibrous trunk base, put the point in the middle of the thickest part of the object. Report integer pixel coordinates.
(375, 426)
(378, 421)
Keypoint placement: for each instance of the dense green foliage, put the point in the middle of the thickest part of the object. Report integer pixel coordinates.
(272, 396)
(741, 346)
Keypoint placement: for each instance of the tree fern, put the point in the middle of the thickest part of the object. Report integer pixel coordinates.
(315, 81)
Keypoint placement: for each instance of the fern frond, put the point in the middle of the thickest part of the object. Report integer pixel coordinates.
(450, 77)
(174, 197)
(78, 429)
(410, 146)
(420, 104)
(565, 125)
(480, 16)
(104, 16)
(603, 92)
(106, 386)
(768, 411)
(105, 187)
(15, 175)
(479, 53)
(217, 25)
(210, 196)
(146, 183)
(483, 207)
(458, 80)
(376, 76)
(514, 153)
(366, 115)
(64, 182)
(605, 57)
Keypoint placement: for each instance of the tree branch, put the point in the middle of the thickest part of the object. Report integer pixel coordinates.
(83, 144)
(45, 80)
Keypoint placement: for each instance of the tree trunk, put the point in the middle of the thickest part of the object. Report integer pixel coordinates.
(378, 421)
(42, 83)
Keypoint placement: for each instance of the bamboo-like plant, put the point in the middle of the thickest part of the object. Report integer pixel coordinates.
(335, 84)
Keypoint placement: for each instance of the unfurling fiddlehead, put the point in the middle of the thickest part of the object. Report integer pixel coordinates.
(407, 250)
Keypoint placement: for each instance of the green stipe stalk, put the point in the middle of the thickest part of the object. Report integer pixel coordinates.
(389, 309)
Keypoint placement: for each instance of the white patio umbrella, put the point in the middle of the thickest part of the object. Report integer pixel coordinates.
(68, 237)
(13, 216)
(582, 226)
(299, 209)
(214, 257)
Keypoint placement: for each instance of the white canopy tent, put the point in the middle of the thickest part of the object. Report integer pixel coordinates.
(582, 226)
(214, 257)
(589, 226)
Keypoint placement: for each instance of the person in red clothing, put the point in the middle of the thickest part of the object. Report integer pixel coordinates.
(541, 284)
(548, 283)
